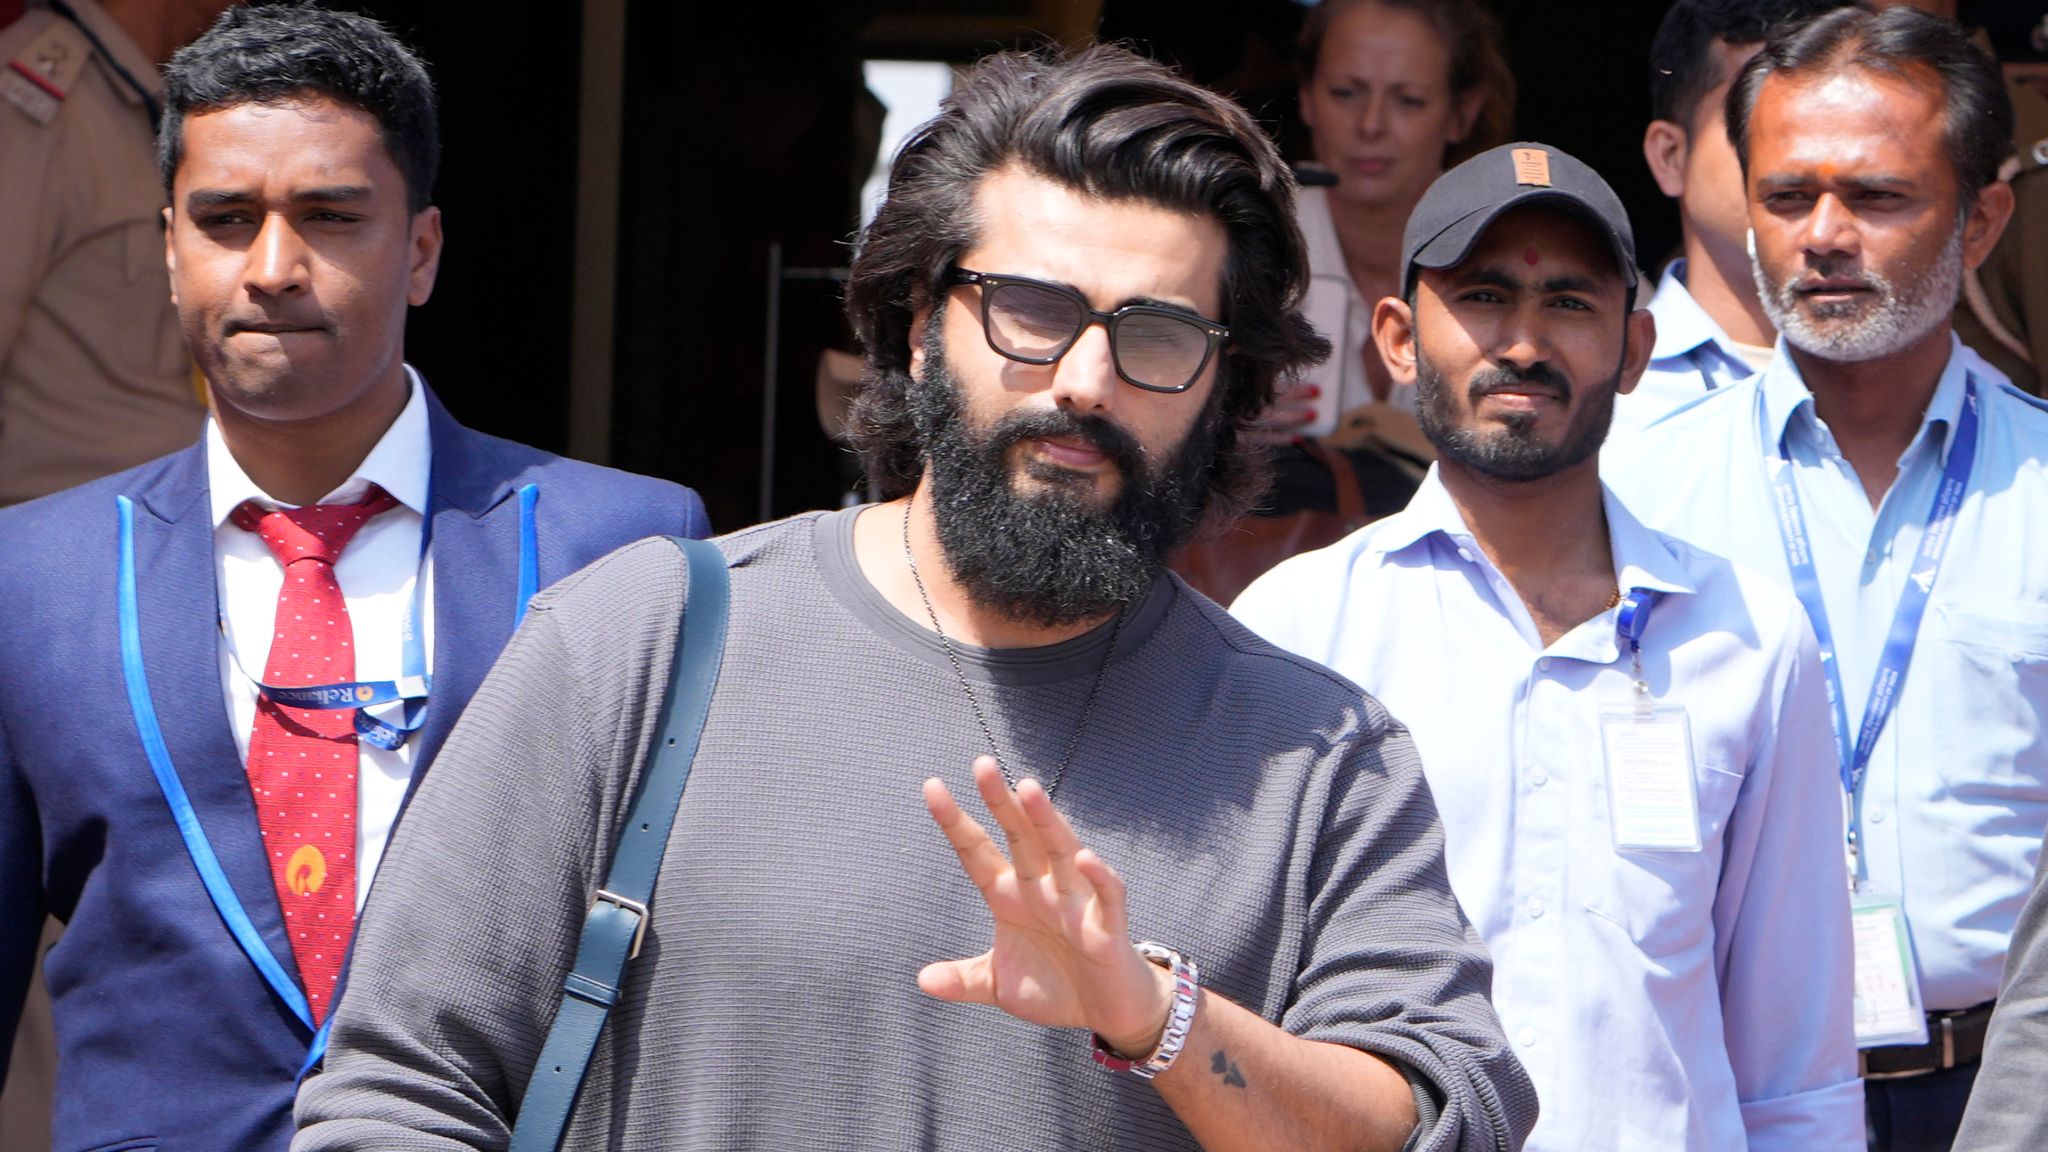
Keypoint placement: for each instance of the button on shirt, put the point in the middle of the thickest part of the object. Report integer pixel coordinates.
(1956, 794)
(1692, 357)
(376, 571)
(1666, 1000)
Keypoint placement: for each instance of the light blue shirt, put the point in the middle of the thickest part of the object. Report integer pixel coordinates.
(1691, 357)
(1659, 1000)
(1956, 795)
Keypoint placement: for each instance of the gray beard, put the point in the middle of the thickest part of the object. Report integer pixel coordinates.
(1851, 333)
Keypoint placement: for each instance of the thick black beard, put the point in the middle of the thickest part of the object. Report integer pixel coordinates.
(1510, 450)
(1055, 556)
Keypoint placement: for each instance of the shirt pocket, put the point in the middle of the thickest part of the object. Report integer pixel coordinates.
(1988, 679)
(1665, 900)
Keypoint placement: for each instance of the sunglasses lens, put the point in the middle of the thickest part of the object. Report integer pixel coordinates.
(1031, 322)
(1159, 349)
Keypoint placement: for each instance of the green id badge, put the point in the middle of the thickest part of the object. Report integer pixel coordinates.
(1887, 995)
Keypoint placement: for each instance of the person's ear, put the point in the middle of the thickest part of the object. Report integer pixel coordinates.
(1986, 222)
(1641, 337)
(426, 255)
(1665, 146)
(1393, 330)
(919, 317)
(1465, 113)
(171, 254)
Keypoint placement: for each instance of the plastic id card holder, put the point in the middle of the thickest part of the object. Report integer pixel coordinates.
(1651, 800)
(1887, 995)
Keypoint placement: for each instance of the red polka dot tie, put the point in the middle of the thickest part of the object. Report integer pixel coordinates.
(302, 762)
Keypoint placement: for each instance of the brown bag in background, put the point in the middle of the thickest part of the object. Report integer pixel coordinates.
(1371, 466)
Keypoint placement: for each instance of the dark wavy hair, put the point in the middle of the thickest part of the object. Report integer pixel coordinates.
(278, 53)
(1898, 42)
(1112, 124)
(1682, 67)
(1471, 37)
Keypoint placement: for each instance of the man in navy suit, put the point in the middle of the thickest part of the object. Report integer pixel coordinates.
(206, 731)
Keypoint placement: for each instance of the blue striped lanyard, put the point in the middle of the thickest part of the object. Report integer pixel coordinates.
(1905, 628)
(412, 686)
(143, 707)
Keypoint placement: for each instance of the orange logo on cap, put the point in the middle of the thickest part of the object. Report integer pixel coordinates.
(1532, 166)
(306, 871)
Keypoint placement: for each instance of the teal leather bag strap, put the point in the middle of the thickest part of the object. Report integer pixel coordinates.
(617, 920)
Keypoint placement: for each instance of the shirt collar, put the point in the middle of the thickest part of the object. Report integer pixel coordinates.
(1312, 214)
(1786, 398)
(124, 51)
(1429, 511)
(1641, 558)
(1682, 325)
(399, 463)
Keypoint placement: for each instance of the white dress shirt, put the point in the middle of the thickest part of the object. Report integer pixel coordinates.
(377, 572)
(1660, 1000)
(1338, 311)
(1956, 794)
(1692, 357)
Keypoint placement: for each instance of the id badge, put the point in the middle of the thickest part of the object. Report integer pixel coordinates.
(1887, 996)
(1651, 800)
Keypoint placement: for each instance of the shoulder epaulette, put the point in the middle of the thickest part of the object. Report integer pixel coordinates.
(2023, 396)
(38, 78)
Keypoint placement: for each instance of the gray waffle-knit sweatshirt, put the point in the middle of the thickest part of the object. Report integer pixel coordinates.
(1268, 818)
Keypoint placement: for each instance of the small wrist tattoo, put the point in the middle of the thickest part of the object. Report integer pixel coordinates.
(1222, 1065)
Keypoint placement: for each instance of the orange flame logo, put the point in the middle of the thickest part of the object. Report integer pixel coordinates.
(306, 870)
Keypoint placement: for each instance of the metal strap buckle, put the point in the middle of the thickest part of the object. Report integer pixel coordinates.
(633, 906)
(1948, 1042)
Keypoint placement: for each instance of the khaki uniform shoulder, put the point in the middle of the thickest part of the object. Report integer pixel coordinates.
(40, 74)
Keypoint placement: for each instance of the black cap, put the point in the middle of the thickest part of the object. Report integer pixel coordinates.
(1450, 217)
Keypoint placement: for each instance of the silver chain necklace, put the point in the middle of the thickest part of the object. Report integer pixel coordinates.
(960, 674)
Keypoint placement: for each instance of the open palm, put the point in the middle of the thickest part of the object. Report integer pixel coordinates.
(1062, 954)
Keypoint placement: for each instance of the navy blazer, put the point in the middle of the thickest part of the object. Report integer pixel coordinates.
(167, 1036)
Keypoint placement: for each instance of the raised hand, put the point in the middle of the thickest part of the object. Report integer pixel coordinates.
(1062, 954)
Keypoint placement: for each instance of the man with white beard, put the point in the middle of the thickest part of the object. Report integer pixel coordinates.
(1894, 484)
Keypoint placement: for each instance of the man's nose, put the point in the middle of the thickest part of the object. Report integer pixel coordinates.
(1525, 339)
(1831, 228)
(278, 263)
(1085, 379)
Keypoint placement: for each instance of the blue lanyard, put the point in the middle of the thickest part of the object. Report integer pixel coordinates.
(414, 682)
(1905, 629)
(143, 707)
(412, 686)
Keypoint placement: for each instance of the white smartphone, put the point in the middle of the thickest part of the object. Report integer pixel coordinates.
(1327, 306)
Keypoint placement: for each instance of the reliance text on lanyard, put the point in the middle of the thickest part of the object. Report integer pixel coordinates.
(1905, 629)
(414, 681)
(412, 685)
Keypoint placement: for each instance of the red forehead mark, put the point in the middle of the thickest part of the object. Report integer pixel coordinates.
(1530, 257)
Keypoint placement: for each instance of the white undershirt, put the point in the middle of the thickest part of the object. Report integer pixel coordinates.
(376, 572)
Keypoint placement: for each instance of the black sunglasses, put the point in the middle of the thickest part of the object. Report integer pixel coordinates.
(1156, 348)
